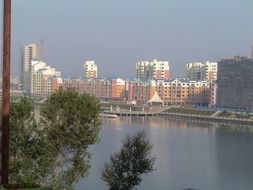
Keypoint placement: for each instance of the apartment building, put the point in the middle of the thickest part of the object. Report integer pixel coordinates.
(173, 91)
(182, 91)
(118, 87)
(41, 76)
(140, 91)
(198, 71)
(30, 52)
(235, 83)
(99, 87)
(90, 69)
(148, 70)
(211, 70)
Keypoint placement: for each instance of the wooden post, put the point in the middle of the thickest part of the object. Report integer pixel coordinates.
(6, 90)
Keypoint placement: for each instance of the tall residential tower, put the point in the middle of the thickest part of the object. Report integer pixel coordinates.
(90, 69)
(30, 52)
(155, 69)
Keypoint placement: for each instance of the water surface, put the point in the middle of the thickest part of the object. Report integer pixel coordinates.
(188, 154)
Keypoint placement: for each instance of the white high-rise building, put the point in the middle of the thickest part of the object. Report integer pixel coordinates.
(30, 52)
(155, 69)
(41, 75)
(211, 70)
(90, 69)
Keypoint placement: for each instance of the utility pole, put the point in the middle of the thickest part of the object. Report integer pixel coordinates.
(6, 90)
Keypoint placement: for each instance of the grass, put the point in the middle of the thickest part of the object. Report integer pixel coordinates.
(190, 110)
(2, 188)
(195, 111)
(237, 115)
(108, 105)
(21, 187)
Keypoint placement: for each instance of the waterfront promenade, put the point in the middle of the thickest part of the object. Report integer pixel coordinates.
(111, 112)
(151, 111)
(162, 112)
(207, 118)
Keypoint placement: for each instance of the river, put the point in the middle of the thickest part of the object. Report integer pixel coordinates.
(202, 156)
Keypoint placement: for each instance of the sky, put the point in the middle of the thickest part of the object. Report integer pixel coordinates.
(118, 33)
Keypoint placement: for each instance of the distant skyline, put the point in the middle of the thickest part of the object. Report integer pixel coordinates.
(117, 34)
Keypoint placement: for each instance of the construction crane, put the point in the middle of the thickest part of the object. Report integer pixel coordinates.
(41, 44)
(252, 52)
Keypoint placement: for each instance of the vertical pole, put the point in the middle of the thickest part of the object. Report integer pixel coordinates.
(6, 90)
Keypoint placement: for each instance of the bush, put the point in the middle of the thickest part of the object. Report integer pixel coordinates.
(126, 167)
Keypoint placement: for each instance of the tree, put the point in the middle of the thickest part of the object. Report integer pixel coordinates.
(28, 152)
(126, 167)
(52, 151)
(73, 124)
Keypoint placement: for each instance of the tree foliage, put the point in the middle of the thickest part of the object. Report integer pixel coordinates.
(126, 167)
(52, 150)
(72, 123)
(27, 144)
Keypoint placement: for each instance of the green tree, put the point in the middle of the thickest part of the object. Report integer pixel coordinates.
(72, 124)
(52, 151)
(126, 167)
(28, 152)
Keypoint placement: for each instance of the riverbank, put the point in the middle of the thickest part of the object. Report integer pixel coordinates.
(14, 187)
(187, 113)
(178, 112)
(206, 118)
(209, 115)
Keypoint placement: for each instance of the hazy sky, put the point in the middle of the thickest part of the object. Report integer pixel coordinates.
(117, 33)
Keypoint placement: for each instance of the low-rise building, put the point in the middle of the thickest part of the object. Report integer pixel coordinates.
(140, 91)
(173, 91)
(183, 91)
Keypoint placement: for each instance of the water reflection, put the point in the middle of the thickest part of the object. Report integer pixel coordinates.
(198, 155)
(234, 155)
